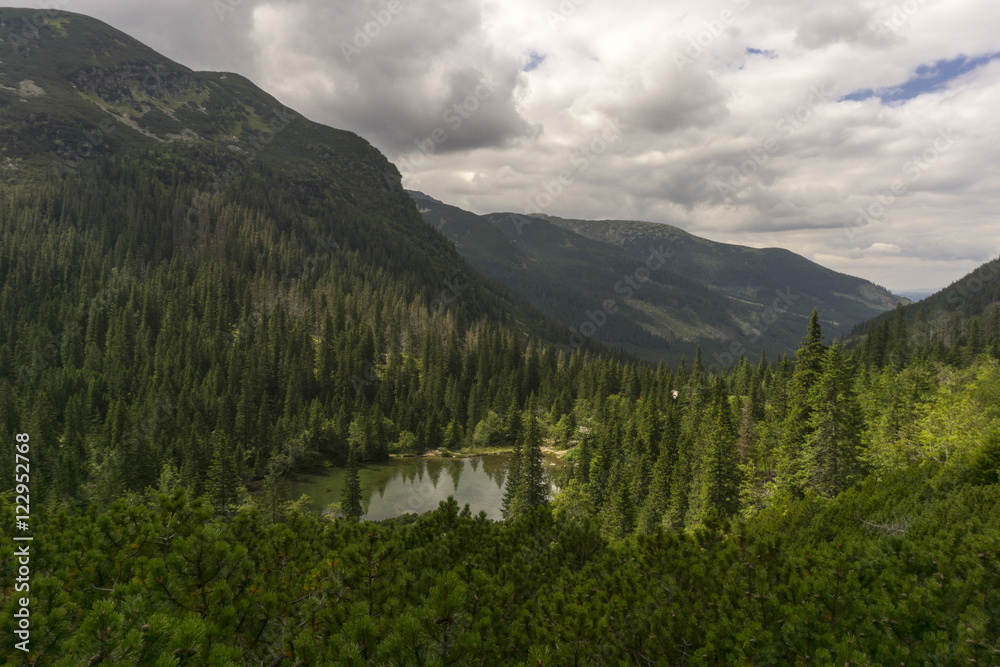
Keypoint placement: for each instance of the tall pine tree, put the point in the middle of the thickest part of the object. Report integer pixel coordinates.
(224, 484)
(509, 506)
(797, 426)
(718, 495)
(533, 488)
(351, 495)
(831, 453)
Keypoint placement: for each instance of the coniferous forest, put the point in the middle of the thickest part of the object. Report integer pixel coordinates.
(840, 505)
(171, 353)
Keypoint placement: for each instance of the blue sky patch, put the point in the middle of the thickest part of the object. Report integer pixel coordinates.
(770, 55)
(926, 79)
(534, 60)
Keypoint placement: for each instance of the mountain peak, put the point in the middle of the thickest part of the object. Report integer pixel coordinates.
(421, 197)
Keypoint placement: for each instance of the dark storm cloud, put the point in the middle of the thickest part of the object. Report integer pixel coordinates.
(677, 100)
(395, 71)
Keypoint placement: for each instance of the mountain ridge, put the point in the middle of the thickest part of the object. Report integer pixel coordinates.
(964, 316)
(76, 91)
(729, 299)
(628, 233)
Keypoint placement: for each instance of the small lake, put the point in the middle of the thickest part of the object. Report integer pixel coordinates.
(418, 484)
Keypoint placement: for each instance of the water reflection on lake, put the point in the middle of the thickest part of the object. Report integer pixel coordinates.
(418, 484)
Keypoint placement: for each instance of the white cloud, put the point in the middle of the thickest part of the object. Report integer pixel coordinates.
(688, 123)
(883, 249)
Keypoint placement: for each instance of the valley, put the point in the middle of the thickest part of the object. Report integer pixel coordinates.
(265, 402)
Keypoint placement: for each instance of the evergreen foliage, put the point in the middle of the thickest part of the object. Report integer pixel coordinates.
(351, 503)
(798, 423)
(167, 350)
(833, 445)
(532, 487)
(871, 577)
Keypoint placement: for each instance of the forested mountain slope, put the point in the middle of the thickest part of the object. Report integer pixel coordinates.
(751, 274)
(727, 299)
(193, 273)
(76, 93)
(594, 287)
(962, 319)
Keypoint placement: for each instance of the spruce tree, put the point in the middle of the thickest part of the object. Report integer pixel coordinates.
(271, 493)
(224, 484)
(618, 515)
(720, 476)
(452, 438)
(581, 471)
(533, 488)
(642, 474)
(510, 504)
(831, 459)
(899, 340)
(514, 425)
(796, 427)
(351, 495)
(680, 485)
(654, 507)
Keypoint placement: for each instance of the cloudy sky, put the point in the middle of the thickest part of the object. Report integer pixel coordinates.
(864, 135)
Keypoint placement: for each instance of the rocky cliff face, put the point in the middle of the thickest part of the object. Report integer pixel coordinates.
(130, 82)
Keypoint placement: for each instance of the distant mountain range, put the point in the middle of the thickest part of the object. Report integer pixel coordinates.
(916, 294)
(656, 291)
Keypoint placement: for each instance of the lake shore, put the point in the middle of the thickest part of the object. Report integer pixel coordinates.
(470, 452)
